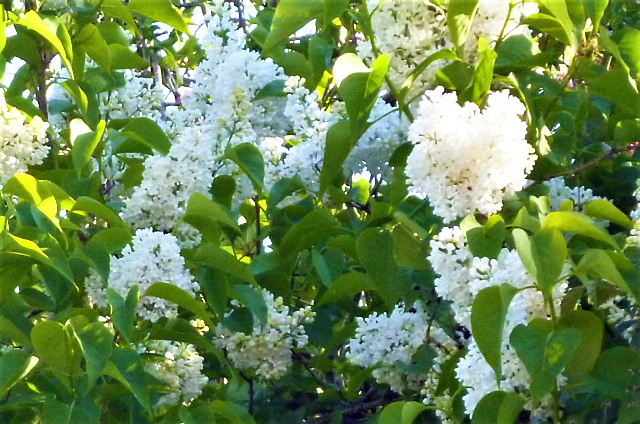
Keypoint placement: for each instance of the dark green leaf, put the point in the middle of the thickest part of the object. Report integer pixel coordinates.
(544, 353)
(498, 408)
(488, 313)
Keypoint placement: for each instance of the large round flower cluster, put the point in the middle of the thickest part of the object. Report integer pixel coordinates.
(388, 342)
(466, 159)
(151, 258)
(461, 277)
(267, 351)
(23, 141)
(179, 367)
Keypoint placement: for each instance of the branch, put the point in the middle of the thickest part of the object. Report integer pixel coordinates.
(614, 152)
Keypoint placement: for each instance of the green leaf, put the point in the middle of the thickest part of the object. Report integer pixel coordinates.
(576, 222)
(548, 24)
(444, 54)
(40, 193)
(591, 331)
(617, 86)
(53, 346)
(94, 45)
(14, 366)
(84, 142)
(544, 255)
(627, 41)
(284, 188)
(231, 412)
(616, 371)
(408, 250)
(94, 207)
(248, 157)
(460, 14)
(126, 367)
(604, 209)
(594, 10)
(290, 16)
(488, 313)
(174, 294)
(598, 263)
(34, 22)
(486, 241)
(375, 251)
(123, 58)
(160, 10)
(401, 412)
(97, 344)
(339, 144)
(252, 298)
(149, 133)
(123, 311)
(316, 227)
(202, 211)
(483, 74)
(498, 408)
(346, 286)
(218, 258)
(559, 10)
(116, 9)
(544, 353)
(359, 87)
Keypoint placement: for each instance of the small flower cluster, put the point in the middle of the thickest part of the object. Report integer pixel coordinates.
(559, 192)
(461, 277)
(23, 141)
(179, 367)
(139, 98)
(622, 313)
(389, 342)
(266, 352)
(151, 258)
(411, 31)
(466, 159)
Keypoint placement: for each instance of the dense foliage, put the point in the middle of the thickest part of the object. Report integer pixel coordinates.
(319, 211)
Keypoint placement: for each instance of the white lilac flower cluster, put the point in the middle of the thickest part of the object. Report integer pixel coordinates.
(151, 258)
(461, 276)
(169, 181)
(139, 98)
(388, 342)
(411, 31)
(23, 141)
(267, 351)
(408, 32)
(622, 313)
(559, 192)
(466, 159)
(180, 369)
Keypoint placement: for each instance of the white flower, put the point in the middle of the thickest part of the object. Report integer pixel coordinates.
(139, 98)
(384, 341)
(179, 367)
(169, 181)
(153, 257)
(559, 192)
(466, 159)
(23, 141)
(267, 350)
